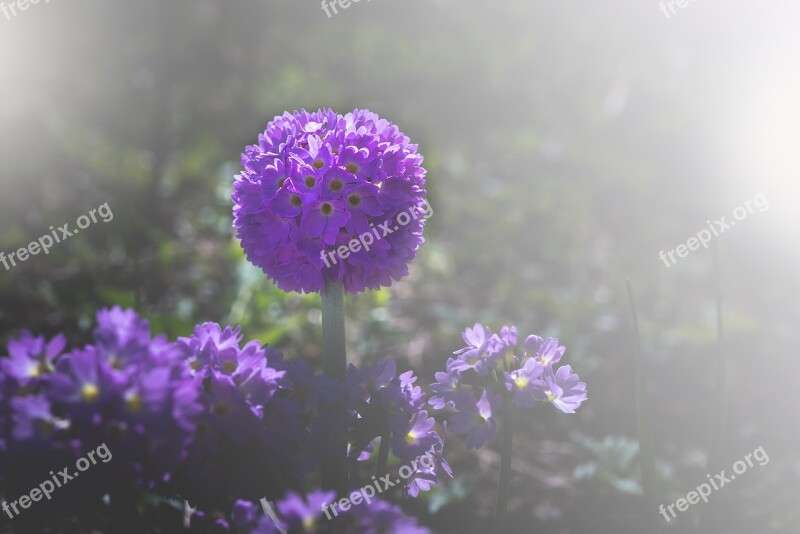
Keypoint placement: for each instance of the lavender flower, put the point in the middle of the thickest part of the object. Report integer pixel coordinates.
(31, 358)
(314, 182)
(475, 418)
(563, 389)
(525, 383)
(312, 513)
(478, 340)
(528, 379)
(446, 389)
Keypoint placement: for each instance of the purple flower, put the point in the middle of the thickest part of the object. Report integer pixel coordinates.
(245, 513)
(446, 389)
(475, 418)
(563, 389)
(304, 513)
(33, 418)
(84, 379)
(478, 340)
(415, 438)
(381, 517)
(523, 383)
(121, 336)
(546, 351)
(428, 467)
(314, 182)
(30, 358)
(500, 344)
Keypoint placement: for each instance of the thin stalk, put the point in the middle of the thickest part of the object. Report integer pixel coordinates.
(647, 455)
(383, 456)
(334, 462)
(716, 446)
(333, 344)
(504, 487)
(720, 374)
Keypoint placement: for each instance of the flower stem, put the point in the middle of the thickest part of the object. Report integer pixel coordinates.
(333, 345)
(383, 456)
(710, 518)
(334, 461)
(504, 487)
(647, 457)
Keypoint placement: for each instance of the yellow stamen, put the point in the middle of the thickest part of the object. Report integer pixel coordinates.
(90, 392)
(134, 402)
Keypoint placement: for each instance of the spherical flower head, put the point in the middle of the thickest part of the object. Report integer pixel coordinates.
(329, 197)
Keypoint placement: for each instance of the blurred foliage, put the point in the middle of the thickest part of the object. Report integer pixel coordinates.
(550, 181)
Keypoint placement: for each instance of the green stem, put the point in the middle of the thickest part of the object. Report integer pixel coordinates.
(334, 463)
(720, 375)
(383, 456)
(335, 364)
(504, 487)
(717, 452)
(647, 455)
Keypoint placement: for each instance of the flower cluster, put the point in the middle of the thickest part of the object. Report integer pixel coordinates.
(252, 425)
(127, 389)
(314, 182)
(303, 514)
(204, 419)
(391, 406)
(487, 369)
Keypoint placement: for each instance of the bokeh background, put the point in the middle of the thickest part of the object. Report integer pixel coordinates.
(567, 143)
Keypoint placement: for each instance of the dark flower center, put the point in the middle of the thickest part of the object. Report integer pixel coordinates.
(318, 163)
(281, 182)
(352, 168)
(222, 409)
(44, 427)
(296, 201)
(326, 208)
(354, 200)
(336, 184)
(310, 181)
